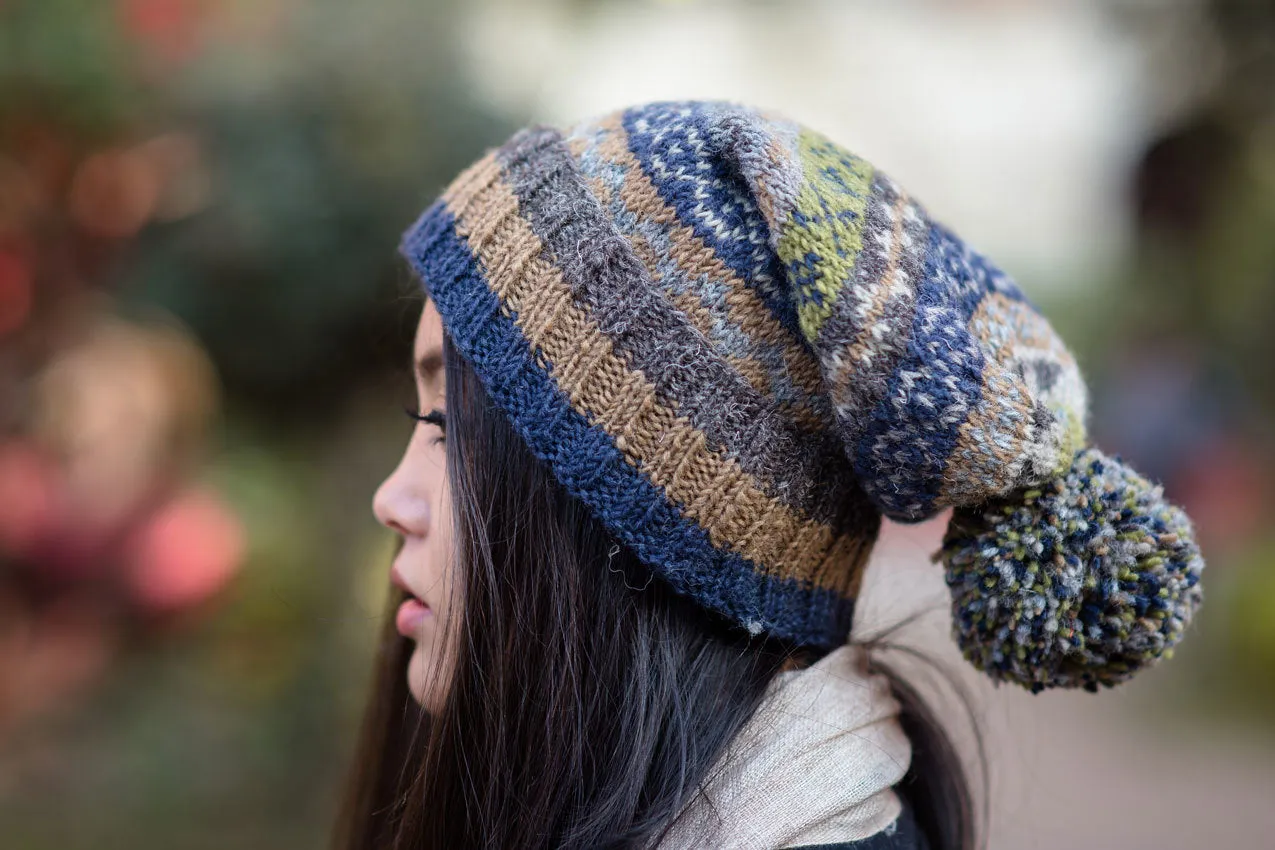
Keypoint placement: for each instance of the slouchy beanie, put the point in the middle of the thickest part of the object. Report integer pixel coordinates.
(741, 345)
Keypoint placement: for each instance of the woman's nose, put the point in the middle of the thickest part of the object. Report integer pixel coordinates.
(400, 509)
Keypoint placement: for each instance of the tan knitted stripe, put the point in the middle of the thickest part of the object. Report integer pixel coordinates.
(843, 568)
(1009, 327)
(478, 176)
(984, 466)
(842, 368)
(711, 489)
(987, 458)
(695, 258)
(1027, 328)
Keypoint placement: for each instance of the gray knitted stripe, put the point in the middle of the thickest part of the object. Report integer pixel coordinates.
(766, 154)
(846, 325)
(727, 336)
(601, 268)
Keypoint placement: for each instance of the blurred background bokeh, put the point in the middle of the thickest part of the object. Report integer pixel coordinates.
(204, 334)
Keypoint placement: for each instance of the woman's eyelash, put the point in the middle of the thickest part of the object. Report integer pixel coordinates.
(434, 417)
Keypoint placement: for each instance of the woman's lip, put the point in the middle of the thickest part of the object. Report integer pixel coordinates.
(412, 611)
(411, 614)
(396, 579)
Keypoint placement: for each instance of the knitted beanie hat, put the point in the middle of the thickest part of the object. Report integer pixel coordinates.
(741, 345)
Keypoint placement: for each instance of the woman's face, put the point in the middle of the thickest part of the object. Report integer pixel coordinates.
(415, 503)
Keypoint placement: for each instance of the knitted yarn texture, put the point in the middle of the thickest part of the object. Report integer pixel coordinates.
(741, 345)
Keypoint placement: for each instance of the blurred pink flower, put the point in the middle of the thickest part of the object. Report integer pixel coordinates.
(27, 498)
(185, 553)
(114, 193)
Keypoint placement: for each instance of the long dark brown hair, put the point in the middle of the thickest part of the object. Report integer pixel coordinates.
(586, 702)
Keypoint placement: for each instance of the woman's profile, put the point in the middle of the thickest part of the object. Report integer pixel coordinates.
(674, 366)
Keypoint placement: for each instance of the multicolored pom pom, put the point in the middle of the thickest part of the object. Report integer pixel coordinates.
(1077, 583)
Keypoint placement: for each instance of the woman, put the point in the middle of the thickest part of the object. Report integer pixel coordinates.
(674, 366)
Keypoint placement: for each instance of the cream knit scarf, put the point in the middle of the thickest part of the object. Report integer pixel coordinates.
(816, 764)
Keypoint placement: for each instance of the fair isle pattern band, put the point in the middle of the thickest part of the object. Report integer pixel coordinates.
(882, 296)
(740, 345)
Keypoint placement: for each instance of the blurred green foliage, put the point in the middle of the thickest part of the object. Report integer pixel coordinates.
(68, 61)
(321, 152)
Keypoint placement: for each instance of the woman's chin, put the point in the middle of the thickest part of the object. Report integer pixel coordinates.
(420, 676)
